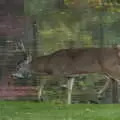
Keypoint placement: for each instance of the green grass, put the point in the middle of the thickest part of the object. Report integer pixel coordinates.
(46, 111)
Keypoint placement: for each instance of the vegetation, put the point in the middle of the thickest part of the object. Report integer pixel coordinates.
(84, 23)
(46, 111)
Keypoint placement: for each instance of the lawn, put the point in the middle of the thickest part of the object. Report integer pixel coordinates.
(46, 111)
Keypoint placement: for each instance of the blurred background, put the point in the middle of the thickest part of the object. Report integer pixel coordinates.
(44, 26)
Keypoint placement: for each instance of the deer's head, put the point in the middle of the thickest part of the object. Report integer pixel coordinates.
(23, 66)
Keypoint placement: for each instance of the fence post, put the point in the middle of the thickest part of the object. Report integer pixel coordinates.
(114, 91)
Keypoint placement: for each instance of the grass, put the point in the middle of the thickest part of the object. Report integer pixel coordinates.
(10, 110)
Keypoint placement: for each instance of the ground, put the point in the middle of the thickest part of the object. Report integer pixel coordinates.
(47, 111)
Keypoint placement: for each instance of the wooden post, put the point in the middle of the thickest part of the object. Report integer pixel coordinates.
(114, 91)
(35, 40)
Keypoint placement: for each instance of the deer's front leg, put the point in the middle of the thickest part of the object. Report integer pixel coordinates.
(70, 86)
(40, 89)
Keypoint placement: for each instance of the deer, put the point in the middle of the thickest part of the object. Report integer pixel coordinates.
(76, 61)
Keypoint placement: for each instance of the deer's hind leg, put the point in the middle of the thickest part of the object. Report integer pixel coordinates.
(105, 87)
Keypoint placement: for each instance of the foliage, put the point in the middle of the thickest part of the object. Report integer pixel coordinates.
(38, 7)
(58, 37)
(46, 111)
(81, 25)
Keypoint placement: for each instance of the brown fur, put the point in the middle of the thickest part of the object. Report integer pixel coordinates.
(79, 61)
